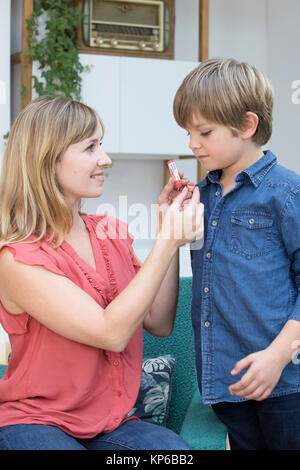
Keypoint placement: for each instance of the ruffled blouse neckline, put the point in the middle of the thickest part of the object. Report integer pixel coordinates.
(93, 276)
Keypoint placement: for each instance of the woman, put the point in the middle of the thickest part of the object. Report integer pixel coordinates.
(75, 319)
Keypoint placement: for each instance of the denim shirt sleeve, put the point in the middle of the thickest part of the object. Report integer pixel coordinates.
(290, 227)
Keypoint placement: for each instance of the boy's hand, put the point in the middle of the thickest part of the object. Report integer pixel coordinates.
(264, 371)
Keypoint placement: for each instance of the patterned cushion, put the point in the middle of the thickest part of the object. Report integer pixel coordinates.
(153, 400)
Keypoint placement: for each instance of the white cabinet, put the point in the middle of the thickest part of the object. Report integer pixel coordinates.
(134, 97)
(101, 91)
(147, 125)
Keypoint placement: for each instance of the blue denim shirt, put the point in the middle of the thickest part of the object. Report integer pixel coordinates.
(246, 277)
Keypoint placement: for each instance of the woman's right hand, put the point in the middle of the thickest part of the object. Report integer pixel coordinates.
(183, 220)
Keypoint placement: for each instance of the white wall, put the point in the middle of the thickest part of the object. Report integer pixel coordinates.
(186, 30)
(4, 71)
(283, 66)
(266, 34)
(238, 29)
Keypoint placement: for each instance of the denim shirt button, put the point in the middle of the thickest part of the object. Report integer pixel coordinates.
(208, 255)
(206, 290)
(207, 324)
(251, 221)
(214, 223)
(217, 193)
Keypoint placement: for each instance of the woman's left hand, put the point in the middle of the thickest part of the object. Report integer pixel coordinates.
(264, 371)
(169, 193)
(167, 196)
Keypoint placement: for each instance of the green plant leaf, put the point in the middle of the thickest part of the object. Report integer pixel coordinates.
(56, 51)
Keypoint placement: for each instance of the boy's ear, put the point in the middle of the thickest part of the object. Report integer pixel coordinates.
(249, 126)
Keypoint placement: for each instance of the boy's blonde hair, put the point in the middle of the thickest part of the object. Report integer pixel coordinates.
(223, 91)
(32, 203)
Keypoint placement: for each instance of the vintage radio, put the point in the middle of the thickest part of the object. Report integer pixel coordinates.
(131, 26)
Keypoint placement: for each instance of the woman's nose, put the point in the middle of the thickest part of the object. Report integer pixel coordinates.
(104, 160)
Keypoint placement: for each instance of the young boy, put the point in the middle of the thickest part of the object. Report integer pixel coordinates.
(246, 278)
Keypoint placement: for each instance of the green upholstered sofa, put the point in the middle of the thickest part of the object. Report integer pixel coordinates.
(187, 416)
(195, 422)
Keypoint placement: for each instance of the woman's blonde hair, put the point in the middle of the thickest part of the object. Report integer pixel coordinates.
(32, 203)
(223, 91)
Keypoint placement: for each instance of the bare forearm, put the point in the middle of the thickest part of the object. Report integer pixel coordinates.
(128, 310)
(160, 319)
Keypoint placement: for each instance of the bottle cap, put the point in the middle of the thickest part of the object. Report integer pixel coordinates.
(177, 184)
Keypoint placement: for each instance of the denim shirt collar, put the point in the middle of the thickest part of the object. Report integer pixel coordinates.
(255, 172)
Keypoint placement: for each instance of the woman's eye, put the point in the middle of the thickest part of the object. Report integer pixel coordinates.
(93, 147)
(90, 148)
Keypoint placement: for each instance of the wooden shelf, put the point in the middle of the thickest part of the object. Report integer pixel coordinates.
(18, 57)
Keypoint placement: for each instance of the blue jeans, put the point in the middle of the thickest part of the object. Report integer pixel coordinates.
(131, 435)
(271, 424)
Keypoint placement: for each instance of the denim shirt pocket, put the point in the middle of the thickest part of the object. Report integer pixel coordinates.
(251, 233)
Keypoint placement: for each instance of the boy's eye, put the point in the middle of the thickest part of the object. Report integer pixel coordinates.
(205, 134)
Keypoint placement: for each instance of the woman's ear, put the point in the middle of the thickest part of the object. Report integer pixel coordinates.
(250, 124)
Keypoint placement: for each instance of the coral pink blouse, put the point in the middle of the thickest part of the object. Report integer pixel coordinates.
(52, 380)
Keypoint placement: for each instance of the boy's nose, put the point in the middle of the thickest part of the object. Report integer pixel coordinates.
(194, 144)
